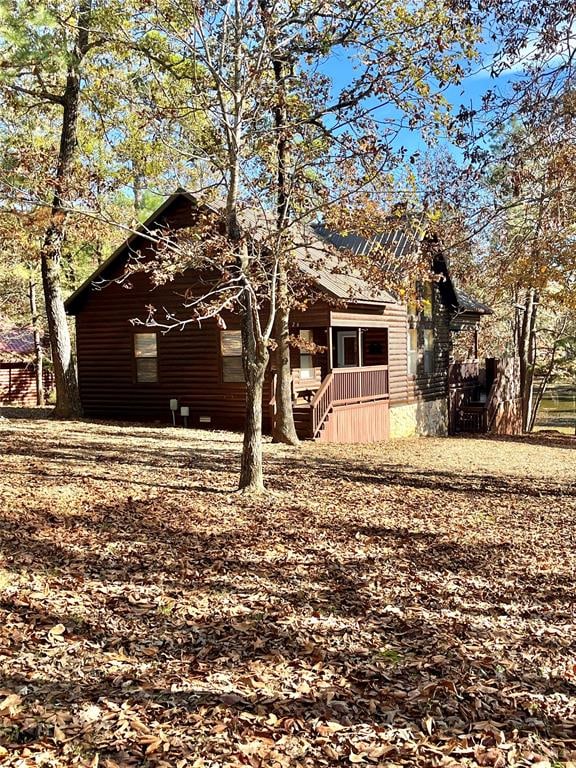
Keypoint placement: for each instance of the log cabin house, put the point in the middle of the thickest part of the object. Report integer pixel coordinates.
(378, 370)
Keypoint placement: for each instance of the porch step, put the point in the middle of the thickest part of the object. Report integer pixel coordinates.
(303, 421)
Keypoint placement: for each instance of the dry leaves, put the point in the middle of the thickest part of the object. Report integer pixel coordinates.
(408, 604)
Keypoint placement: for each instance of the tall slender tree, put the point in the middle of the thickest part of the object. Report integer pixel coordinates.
(88, 92)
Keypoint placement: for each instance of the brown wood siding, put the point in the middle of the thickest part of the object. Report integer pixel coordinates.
(397, 323)
(434, 385)
(189, 362)
(18, 383)
(403, 387)
(315, 316)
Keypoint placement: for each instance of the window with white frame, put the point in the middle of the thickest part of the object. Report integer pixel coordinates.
(306, 358)
(428, 351)
(412, 351)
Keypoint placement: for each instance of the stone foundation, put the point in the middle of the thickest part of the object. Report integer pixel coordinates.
(420, 418)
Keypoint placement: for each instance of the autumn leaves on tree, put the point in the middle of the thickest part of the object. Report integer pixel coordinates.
(288, 141)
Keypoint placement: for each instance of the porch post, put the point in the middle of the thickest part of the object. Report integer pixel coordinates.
(360, 360)
(330, 349)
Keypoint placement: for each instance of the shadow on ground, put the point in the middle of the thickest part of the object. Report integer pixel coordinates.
(384, 597)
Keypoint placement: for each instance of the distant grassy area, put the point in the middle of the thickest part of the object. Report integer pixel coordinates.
(558, 409)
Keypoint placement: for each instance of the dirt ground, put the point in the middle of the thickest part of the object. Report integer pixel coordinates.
(409, 603)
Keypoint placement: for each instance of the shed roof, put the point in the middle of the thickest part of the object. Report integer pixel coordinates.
(16, 342)
(467, 303)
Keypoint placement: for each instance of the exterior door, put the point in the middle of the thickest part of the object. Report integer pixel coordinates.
(375, 346)
(347, 349)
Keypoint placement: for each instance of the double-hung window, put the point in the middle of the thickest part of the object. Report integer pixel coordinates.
(146, 356)
(412, 351)
(306, 359)
(231, 350)
(428, 351)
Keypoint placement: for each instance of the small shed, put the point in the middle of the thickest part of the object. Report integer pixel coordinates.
(17, 366)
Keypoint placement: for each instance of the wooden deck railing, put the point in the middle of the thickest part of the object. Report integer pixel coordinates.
(346, 386)
(322, 403)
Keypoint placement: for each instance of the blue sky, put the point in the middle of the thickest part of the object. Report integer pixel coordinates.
(468, 94)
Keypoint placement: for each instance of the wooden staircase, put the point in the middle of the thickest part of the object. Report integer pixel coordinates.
(303, 420)
(350, 406)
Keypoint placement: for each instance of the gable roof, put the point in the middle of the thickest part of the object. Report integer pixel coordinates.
(314, 260)
(142, 231)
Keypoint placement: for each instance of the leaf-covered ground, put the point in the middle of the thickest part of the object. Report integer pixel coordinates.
(409, 603)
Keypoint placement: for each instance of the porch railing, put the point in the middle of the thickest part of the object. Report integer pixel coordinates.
(345, 386)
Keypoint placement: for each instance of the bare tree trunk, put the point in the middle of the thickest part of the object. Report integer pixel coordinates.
(284, 430)
(526, 344)
(138, 186)
(67, 395)
(559, 332)
(255, 360)
(541, 390)
(38, 352)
